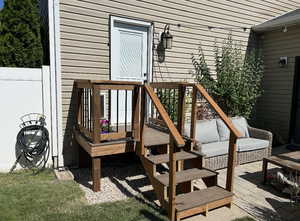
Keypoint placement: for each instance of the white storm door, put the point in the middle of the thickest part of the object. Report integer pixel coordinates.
(129, 62)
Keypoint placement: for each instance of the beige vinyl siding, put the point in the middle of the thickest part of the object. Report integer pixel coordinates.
(274, 107)
(85, 34)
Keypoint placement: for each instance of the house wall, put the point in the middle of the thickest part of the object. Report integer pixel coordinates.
(274, 107)
(85, 35)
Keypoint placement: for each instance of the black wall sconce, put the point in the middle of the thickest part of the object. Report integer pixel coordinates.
(282, 61)
(167, 38)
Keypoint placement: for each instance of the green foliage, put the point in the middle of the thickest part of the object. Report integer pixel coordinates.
(20, 37)
(169, 99)
(238, 78)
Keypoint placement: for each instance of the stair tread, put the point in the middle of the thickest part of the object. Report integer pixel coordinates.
(164, 158)
(186, 175)
(201, 197)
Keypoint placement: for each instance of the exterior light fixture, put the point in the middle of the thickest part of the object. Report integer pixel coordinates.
(283, 61)
(167, 38)
(284, 29)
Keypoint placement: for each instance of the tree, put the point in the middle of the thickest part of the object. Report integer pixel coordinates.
(238, 77)
(20, 36)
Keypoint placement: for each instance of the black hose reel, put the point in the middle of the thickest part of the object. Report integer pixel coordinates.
(32, 146)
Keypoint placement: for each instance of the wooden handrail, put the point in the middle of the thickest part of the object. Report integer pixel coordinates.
(218, 110)
(234, 135)
(165, 117)
(172, 84)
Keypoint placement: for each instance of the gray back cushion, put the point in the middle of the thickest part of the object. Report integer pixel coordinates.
(239, 122)
(207, 131)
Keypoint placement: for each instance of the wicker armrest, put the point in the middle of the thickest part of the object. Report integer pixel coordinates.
(260, 134)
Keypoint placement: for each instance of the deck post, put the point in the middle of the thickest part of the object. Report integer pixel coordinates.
(141, 150)
(231, 162)
(172, 180)
(96, 115)
(96, 174)
(194, 114)
(181, 109)
(136, 98)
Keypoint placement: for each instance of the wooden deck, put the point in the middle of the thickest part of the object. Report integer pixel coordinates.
(262, 202)
(154, 137)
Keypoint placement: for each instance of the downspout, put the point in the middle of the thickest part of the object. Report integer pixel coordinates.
(55, 85)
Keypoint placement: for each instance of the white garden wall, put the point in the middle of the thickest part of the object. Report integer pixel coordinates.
(22, 91)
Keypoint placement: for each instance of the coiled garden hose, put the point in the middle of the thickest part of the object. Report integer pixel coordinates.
(32, 147)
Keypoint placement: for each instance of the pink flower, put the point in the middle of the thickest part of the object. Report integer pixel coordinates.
(104, 122)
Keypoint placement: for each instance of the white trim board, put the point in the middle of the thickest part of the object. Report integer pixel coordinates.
(55, 75)
(137, 22)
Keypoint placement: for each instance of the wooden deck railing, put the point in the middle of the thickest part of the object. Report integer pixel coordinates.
(176, 140)
(193, 90)
(234, 133)
(94, 98)
(172, 95)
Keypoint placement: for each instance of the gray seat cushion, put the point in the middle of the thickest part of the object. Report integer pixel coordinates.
(206, 131)
(243, 145)
(214, 149)
(248, 144)
(239, 122)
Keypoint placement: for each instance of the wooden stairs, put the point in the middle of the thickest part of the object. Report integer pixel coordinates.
(174, 189)
(189, 200)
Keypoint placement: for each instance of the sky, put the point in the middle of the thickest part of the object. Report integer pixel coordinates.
(1, 3)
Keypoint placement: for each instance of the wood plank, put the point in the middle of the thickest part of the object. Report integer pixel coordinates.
(201, 198)
(289, 160)
(172, 180)
(164, 158)
(96, 114)
(193, 115)
(157, 122)
(205, 208)
(112, 148)
(181, 109)
(115, 87)
(83, 142)
(186, 175)
(141, 144)
(136, 101)
(81, 84)
(158, 188)
(231, 162)
(154, 137)
(164, 115)
(96, 174)
(115, 135)
(109, 82)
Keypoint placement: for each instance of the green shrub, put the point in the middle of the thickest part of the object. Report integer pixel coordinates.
(20, 37)
(238, 77)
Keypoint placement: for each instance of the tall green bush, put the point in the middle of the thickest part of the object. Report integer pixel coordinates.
(20, 37)
(237, 82)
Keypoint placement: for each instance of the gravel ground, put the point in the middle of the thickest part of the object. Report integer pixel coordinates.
(122, 178)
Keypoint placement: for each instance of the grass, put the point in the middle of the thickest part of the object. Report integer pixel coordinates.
(24, 196)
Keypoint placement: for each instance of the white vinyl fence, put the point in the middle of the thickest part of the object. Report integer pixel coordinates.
(22, 91)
